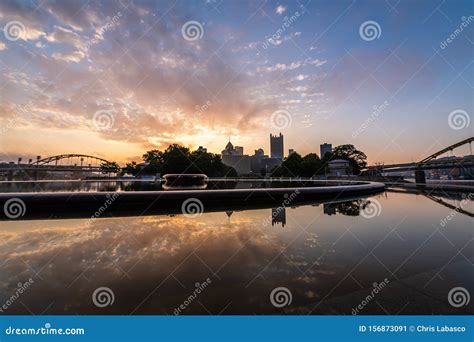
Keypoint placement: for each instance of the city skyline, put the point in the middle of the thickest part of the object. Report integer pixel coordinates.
(114, 81)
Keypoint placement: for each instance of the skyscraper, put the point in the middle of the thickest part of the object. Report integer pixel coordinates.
(276, 146)
(324, 148)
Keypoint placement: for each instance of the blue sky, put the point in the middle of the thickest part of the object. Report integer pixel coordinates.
(114, 79)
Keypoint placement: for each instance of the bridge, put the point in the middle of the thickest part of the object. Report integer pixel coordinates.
(61, 163)
(429, 163)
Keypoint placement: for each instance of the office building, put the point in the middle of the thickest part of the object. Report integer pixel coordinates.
(233, 156)
(324, 148)
(276, 146)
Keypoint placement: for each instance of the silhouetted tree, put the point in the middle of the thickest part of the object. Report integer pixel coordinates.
(109, 167)
(311, 164)
(131, 168)
(179, 159)
(357, 159)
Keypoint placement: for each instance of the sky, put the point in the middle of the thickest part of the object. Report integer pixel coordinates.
(114, 79)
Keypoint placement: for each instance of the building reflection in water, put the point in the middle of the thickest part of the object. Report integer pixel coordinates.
(279, 216)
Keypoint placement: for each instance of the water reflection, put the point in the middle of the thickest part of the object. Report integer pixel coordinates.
(327, 256)
(279, 216)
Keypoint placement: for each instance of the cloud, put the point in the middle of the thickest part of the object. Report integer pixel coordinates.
(62, 35)
(280, 9)
(301, 77)
(152, 83)
(75, 56)
(292, 65)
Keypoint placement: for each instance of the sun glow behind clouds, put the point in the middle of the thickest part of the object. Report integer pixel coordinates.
(72, 60)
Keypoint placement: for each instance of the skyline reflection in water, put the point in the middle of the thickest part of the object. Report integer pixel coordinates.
(328, 256)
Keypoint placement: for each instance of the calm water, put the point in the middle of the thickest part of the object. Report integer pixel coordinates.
(327, 256)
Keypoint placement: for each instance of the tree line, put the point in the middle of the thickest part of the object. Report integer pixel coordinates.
(311, 164)
(179, 159)
(175, 159)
